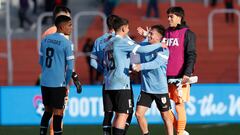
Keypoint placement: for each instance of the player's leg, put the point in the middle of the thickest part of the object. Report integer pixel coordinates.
(180, 109)
(57, 121)
(173, 118)
(58, 111)
(142, 122)
(45, 120)
(51, 131)
(129, 119)
(48, 110)
(172, 89)
(119, 123)
(108, 112)
(181, 122)
(128, 122)
(107, 123)
(179, 105)
(122, 105)
(144, 102)
(163, 104)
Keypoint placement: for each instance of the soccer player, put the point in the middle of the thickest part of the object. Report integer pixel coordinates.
(56, 60)
(117, 81)
(58, 10)
(154, 82)
(97, 62)
(181, 42)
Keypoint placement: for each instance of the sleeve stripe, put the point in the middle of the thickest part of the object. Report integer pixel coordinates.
(163, 56)
(135, 49)
(93, 56)
(70, 57)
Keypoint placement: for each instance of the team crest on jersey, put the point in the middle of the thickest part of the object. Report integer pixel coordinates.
(164, 100)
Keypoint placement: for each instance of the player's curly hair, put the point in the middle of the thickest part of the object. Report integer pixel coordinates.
(178, 11)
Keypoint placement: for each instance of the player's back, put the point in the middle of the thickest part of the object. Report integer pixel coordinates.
(55, 50)
(118, 62)
(99, 45)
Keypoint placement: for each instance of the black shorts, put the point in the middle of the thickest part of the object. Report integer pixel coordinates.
(54, 96)
(120, 101)
(162, 100)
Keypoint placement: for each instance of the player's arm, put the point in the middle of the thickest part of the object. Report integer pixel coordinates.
(69, 60)
(94, 62)
(94, 59)
(190, 52)
(160, 60)
(41, 55)
(136, 48)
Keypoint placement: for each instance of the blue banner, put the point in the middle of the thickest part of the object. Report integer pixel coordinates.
(209, 103)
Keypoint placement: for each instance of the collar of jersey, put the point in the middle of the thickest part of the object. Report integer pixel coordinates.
(64, 35)
(119, 36)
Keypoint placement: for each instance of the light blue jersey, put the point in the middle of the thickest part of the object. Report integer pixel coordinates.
(153, 75)
(117, 61)
(98, 51)
(56, 60)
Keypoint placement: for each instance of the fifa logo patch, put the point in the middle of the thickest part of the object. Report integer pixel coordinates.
(164, 100)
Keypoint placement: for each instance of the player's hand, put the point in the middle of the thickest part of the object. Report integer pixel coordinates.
(185, 79)
(136, 67)
(143, 32)
(164, 45)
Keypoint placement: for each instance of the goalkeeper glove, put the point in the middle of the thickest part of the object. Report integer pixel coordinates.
(76, 82)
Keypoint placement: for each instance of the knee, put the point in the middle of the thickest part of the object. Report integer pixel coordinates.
(139, 115)
(166, 116)
(58, 112)
(180, 108)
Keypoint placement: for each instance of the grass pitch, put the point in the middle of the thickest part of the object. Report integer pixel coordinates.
(220, 129)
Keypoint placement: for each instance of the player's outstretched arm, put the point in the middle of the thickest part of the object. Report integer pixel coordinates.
(148, 48)
(160, 60)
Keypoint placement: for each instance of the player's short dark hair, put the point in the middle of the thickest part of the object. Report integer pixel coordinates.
(60, 8)
(61, 19)
(160, 29)
(110, 21)
(119, 22)
(178, 11)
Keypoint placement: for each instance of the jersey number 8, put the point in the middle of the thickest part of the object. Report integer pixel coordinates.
(49, 54)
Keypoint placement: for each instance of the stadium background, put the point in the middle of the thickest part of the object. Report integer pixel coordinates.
(218, 70)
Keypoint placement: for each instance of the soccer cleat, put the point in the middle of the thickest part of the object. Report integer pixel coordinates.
(185, 132)
(76, 82)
